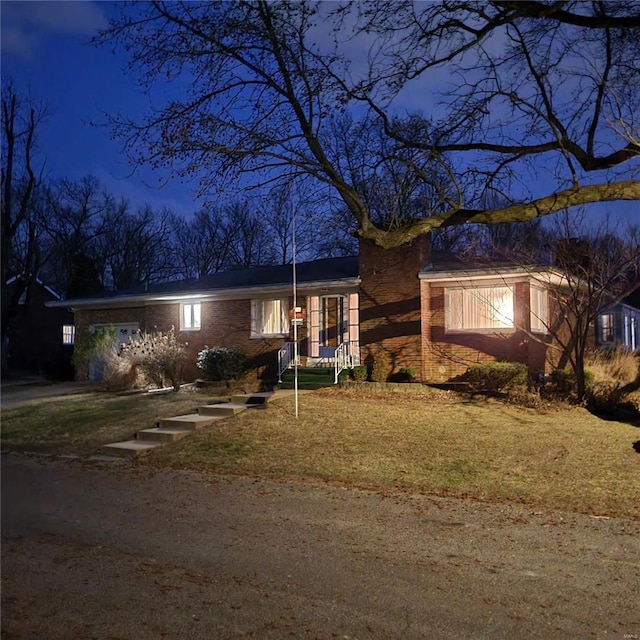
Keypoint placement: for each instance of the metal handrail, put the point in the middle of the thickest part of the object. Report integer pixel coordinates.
(285, 358)
(346, 356)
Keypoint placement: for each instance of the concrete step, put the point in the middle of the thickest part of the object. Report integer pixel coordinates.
(192, 421)
(222, 410)
(261, 397)
(160, 434)
(128, 448)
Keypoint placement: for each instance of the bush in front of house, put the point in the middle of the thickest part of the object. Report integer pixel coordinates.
(105, 362)
(380, 366)
(562, 382)
(222, 364)
(359, 373)
(158, 356)
(497, 377)
(404, 374)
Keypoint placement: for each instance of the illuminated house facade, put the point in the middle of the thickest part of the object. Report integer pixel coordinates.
(426, 310)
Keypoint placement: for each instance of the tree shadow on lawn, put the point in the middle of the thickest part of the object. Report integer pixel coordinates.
(624, 413)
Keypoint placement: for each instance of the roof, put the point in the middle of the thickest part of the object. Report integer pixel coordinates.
(239, 282)
(315, 275)
(39, 282)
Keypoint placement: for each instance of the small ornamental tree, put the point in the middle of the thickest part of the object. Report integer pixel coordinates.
(158, 356)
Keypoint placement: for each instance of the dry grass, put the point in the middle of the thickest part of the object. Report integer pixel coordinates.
(563, 458)
(436, 442)
(614, 365)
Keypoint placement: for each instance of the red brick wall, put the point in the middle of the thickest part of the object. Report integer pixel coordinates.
(224, 323)
(390, 309)
(446, 355)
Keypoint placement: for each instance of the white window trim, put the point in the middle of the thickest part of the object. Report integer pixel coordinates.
(257, 309)
(195, 317)
(68, 334)
(471, 290)
(538, 324)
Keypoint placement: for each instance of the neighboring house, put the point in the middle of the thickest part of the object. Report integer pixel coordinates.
(619, 324)
(428, 311)
(39, 339)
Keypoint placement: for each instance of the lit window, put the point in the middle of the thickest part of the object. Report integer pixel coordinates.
(480, 308)
(269, 318)
(68, 334)
(539, 310)
(606, 327)
(191, 316)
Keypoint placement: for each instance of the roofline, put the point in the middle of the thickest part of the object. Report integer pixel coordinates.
(204, 295)
(53, 292)
(491, 273)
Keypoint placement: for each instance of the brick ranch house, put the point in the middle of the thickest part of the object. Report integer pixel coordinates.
(426, 310)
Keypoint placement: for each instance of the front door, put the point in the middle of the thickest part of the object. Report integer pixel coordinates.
(332, 321)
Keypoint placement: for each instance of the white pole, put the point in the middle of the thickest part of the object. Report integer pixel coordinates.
(295, 313)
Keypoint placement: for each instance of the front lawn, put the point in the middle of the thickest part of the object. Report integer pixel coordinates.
(436, 442)
(80, 424)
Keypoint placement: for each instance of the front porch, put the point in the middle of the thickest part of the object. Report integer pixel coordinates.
(329, 360)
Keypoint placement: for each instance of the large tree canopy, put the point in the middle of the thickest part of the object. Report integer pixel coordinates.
(417, 115)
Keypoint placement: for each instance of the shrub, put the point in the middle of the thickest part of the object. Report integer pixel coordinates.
(221, 364)
(158, 356)
(497, 377)
(359, 373)
(105, 363)
(380, 366)
(405, 374)
(344, 375)
(562, 381)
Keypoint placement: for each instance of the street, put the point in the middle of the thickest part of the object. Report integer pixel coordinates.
(105, 551)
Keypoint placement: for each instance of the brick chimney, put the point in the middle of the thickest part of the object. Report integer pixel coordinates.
(390, 301)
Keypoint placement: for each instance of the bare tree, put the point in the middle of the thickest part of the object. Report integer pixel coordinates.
(538, 88)
(202, 245)
(72, 226)
(594, 266)
(21, 196)
(136, 246)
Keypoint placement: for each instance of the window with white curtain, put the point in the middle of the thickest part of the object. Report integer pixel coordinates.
(538, 306)
(191, 316)
(473, 308)
(269, 318)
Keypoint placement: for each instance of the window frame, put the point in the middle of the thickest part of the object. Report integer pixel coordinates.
(195, 319)
(609, 327)
(536, 323)
(257, 318)
(68, 334)
(474, 290)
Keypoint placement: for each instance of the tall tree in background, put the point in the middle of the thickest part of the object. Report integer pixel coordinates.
(21, 198)
(71, 226)
(543, 109)
(136, 246)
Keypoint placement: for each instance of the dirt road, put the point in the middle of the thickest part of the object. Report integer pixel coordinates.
(123, 553)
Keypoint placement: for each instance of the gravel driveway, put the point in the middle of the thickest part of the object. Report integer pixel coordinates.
(120, 552)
